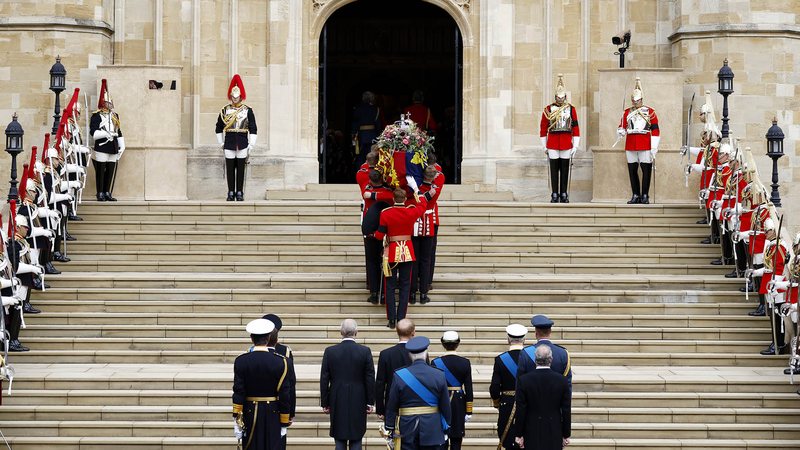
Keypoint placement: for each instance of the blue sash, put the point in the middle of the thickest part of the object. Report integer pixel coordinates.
(508, 361)
(452, 381)
(424, 393)
(531, 351)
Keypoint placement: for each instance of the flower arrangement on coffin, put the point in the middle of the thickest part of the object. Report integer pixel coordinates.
(403, 153)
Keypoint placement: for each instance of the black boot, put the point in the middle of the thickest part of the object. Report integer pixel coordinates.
(554, 198)
(769, 350)
(702, 221)
(60, 257)
(99, 179)
(239, 196)
(423, 299)
(70, 237)
(647, 172)
(633, 175)
(564, 170)
(50, 269)
(230, 196)
(111, 167)
(554, 168)
(240, 165)
(413, 299)
(29, 309)
(230, 174)
(760, 311)
(15, 346)
(373, 298)
(794, 370)
(733, 274)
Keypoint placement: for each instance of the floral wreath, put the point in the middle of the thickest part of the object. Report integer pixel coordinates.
(403, 136)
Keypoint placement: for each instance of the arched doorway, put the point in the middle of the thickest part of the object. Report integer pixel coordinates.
(392, 48)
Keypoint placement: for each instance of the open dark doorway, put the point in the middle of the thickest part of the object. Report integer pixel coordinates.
(391, 48)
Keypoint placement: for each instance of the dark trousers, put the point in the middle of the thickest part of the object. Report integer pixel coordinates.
(559, 175)
(400, 279)
(373, 252)
(343, 444)
(234, 173)
(433, 252)
(421, 274)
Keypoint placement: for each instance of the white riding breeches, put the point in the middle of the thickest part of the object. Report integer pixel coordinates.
(105, 157)
(231, 154)
(643, 156)
(558, 154)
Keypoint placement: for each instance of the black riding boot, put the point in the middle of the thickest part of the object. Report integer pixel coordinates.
(111, 167)
(647, 172)
(99, 179)
(554, 169)
(230, 174)
(633, 174)
(240, 163)
(564, 166)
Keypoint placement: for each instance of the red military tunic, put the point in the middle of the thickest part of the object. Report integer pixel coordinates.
(438, 181)
(425, 226)
(778, 263)
(397, 222)
(639, 124)
(559, 137)
(377, 194)
(717, 194)
(422, 116)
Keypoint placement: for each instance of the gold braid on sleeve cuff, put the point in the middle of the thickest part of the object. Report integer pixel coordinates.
(237, 409)
(469, 407)
(285, 419)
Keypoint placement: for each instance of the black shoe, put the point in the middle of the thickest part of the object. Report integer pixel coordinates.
(554, 197)
(60, 257)
(717, 262)
(769, 350)
(706, 241)
(784, 349)
(390, 324)
(230, 196)
(70, 237)
(702, 221)
(29, 309)
(758, 312)
(16, 346)
(792, 371)
(109, 198)
(423, 299)
(564, 197)
(645, 199)
(37, 284)
(50, 269)
(101, 196)
(635, 200)
(749, 287)
(239, 196)
(373, 298)
(75, 218)
(413, 299)
(732, 274)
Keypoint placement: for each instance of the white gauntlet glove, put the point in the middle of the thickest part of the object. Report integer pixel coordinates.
(757, 272)
(219, 139)
(544, 144)
(74, 168)
(237, 431)
(39, 231)
(101, 134)
(28, 268)
(284, 430)
(121, 145)
(251, 141)
(10, 301)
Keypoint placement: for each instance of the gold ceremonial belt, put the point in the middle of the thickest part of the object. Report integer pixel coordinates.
(237, 130)
(417, 410)
(450, 388)
(261, 399)
(511, 393)
(405, 237)
(366, 127)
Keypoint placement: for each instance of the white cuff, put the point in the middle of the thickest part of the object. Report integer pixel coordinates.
(252, 140)
(654, 140)
(544, 142)
(576, 141)
(219, 138)
(121, 144)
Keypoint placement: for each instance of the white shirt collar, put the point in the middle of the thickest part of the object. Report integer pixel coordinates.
(348, 339)
(542, 367)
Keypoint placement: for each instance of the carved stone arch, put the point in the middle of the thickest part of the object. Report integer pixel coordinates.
(457, 9)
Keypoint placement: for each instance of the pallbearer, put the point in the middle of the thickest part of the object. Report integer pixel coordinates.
(639, 126)
(560, 137)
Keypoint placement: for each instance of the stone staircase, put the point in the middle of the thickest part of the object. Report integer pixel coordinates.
(136, 344)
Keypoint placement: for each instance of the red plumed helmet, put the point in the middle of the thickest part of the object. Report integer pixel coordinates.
(236, 83)
(46, 147)
(104, 96)
(23, 184)
(33, 157)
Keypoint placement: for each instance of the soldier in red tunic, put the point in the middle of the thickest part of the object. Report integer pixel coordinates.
(397, 225)
(639, 126)
(421, 114)
(560, 137)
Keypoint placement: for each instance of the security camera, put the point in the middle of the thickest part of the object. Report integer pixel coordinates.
(623, 38)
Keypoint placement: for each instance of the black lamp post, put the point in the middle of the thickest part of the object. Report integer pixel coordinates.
(14, 134)
(775, 151)
(58, 75)
(725, 77)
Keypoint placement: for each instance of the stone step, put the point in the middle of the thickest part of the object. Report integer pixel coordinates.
(354, 244)
(185, 325)
(310, 398)
(353, 235)
(352, 300)
(309, 443)
(213, 425)
(353, 280)
(540, 267)
(702, 357)
(357, 256)
(644, 380)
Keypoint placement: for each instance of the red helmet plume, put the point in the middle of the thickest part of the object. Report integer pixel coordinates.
(236, 82)
(23, 183)
(104, 96)
(45, 147)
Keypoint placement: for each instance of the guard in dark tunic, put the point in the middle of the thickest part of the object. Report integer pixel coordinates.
(458, 374)
(560, 364)
(418, 410)
(504, 383)
(261, 403)
(286, 352)
(109, 144)
(366, 125)
(237, 133)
